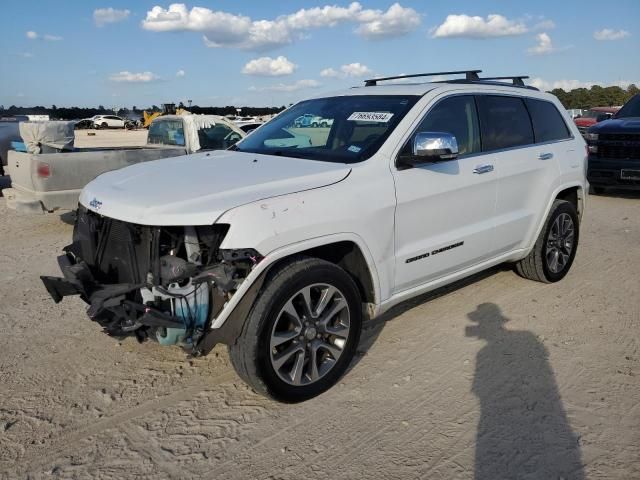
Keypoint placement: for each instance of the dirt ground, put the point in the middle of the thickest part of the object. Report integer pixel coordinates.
(495, 377)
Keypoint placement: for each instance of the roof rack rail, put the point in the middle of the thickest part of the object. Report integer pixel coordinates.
(515, 79)
(470, 75)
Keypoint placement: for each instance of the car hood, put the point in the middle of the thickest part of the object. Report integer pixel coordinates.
(617, 125)
(197, 189)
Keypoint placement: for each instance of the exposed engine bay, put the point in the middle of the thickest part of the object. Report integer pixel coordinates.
(161, 283)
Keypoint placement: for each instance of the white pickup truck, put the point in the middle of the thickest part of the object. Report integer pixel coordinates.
(281, 250)
(45, 182)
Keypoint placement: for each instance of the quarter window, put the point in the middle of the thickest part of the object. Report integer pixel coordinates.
(457, 116)
(548, 124)
(504, 122)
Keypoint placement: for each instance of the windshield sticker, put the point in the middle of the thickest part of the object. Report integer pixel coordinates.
(379, 117)
(354, 149)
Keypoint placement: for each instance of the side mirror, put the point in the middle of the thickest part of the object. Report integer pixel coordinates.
(429, 147)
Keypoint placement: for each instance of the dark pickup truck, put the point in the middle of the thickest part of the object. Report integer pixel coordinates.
(614, 150)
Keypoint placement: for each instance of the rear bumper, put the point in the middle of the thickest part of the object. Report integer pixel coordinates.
(607, 173)
(31, 201)
(21, 203)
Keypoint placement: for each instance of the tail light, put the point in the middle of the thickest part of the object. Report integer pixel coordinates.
(44, 170)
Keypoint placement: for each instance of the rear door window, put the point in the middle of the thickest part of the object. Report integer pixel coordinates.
(504, 122)
(548, 124)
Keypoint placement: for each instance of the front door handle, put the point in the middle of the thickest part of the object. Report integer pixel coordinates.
(545, 156)
(485, 168)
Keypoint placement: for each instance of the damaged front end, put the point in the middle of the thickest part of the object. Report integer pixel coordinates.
(161, 283)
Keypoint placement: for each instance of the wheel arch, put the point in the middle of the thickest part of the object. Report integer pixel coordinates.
(574, 193)
(345, 250)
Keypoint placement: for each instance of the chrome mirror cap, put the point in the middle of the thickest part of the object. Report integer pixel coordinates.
(435, 146)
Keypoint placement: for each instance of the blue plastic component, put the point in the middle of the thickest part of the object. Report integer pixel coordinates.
(194, 305)
(19, 147)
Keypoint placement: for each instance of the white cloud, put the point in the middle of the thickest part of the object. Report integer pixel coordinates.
(349, 70)
(396, 21)
(269, 67)
(329, 73)
(545, 25)
(222, 29)
(130, 77)
(31, 35)
(355, 70)
(477, 27)
(288, 87)
(180, 73)
(544, 46)
(610, 34)
(567, 85)
(103, 16)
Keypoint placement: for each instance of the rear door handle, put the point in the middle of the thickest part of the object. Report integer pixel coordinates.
(545, 156)
(485, 168)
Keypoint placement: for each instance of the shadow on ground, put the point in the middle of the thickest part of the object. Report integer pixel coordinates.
(373, 328)
(523, 432)
(619, 193)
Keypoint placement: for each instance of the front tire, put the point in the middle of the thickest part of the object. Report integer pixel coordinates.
(302, 332)
(555, 249)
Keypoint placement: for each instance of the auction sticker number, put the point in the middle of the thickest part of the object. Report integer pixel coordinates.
(380, 117)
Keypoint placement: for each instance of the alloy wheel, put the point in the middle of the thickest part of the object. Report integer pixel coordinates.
(309, 334)
(560, 243)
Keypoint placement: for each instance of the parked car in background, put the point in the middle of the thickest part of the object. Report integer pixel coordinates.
(614, 150)
(575, 112)
(594, 115)
(44, 182)
(313, 121)
(108, 121)
(9, 132)
(250, 127)
(85, 123)
(280, 247)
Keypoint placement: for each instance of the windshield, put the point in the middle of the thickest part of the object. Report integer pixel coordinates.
(590, 114)
(631, 108)
(344, 129)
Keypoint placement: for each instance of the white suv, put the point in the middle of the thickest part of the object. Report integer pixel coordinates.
(280, 252)
(108, 121)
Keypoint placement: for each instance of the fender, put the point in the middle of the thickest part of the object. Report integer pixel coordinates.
(228, 324)
(581, 207)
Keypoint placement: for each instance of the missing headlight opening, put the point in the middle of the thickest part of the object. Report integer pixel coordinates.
(161, 283)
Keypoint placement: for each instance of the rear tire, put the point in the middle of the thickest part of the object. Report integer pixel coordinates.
(104, 125)
(294, 346)
(555, 249)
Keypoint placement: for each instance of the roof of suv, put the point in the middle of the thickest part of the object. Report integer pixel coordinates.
(421, 89)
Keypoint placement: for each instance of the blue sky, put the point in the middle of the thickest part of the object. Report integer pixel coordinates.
(124, 52)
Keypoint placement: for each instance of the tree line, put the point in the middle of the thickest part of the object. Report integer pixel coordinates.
(596, 96)
(74, 113)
